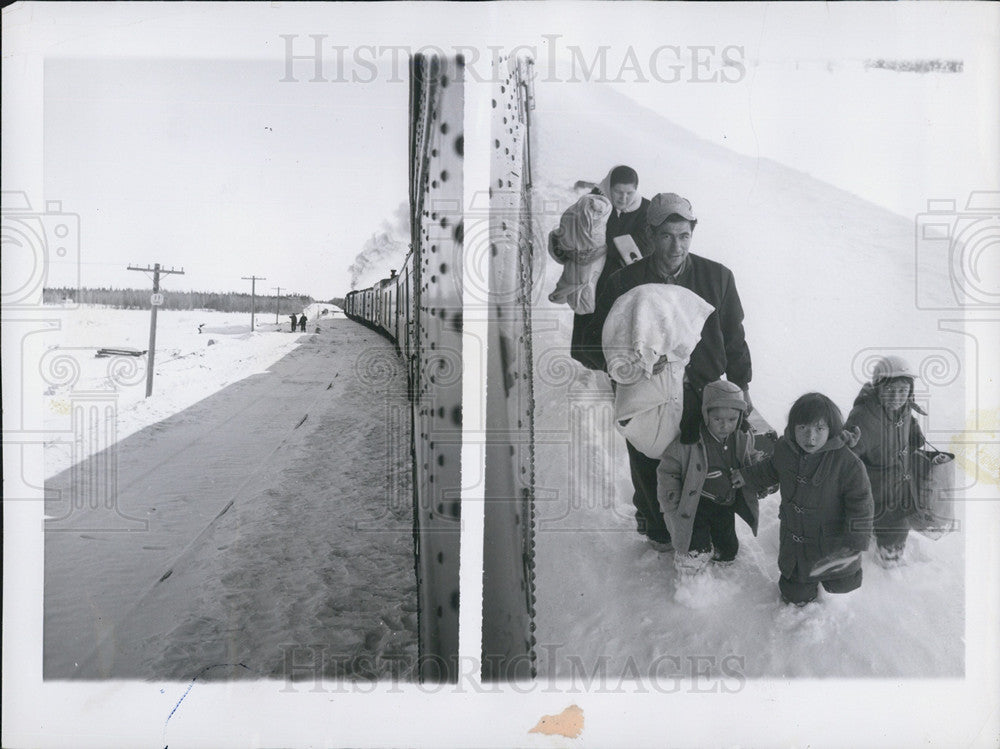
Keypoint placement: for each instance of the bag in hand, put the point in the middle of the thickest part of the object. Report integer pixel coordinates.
(933, 514)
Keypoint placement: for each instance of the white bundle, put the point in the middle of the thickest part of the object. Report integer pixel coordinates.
(645, 323)
(578, 245)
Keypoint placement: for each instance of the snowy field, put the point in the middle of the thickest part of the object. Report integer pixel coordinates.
(827, 281)
(189, 365)
(253, 505)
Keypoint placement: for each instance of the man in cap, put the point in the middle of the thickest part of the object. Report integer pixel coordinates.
(722, 350)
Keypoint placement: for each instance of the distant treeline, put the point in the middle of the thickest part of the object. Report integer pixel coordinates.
(916, 66)
(178, 300)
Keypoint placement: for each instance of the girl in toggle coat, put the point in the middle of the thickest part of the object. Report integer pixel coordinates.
(826, 502)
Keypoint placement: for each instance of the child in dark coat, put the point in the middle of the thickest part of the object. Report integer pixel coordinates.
(694, 488)
(826, 502)
(889, 435)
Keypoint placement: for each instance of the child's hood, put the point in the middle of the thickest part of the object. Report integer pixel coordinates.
(722, 394)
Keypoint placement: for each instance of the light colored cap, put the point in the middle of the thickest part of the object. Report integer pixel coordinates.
(666, 204)
(891, 366)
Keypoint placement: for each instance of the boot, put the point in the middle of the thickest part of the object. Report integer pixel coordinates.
(660, 540)
(692, 564)
(890, 556)
(660, 546)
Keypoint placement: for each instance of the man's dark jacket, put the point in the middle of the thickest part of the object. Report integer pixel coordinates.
(722, 349)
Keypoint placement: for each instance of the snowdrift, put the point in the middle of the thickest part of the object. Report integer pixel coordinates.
(827, 282)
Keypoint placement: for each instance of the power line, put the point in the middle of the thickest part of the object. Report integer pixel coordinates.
(277, 304)
(253, 296)
(154, 302)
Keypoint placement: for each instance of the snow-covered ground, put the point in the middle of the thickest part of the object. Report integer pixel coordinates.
(189, 365)
(253, 505)
(827, 281)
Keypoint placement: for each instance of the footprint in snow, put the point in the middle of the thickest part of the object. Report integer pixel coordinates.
(704, 589)
(814, 621)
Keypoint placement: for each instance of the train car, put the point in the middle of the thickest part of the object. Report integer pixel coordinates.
(508, 645)
(419, 308)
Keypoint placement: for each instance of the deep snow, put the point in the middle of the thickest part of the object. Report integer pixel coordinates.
(272, 513)
(827, 281)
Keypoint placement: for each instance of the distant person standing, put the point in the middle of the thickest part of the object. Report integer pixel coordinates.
(302, 322)
(295, 321)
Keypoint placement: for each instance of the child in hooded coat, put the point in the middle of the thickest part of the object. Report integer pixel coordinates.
(698, 500)
(826, 502)
(883, 411)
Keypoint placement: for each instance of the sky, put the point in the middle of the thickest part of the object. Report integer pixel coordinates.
(221, 168)
(198, 155)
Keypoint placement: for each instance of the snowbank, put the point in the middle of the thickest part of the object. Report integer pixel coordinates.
(827, 281)
(317, 311)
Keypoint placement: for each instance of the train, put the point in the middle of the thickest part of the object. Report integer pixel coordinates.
(386, 307)
(419, 309)
(509, 608)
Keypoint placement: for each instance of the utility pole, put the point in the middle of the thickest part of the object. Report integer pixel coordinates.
(154, 302)
(277, 305)
(253, 297)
